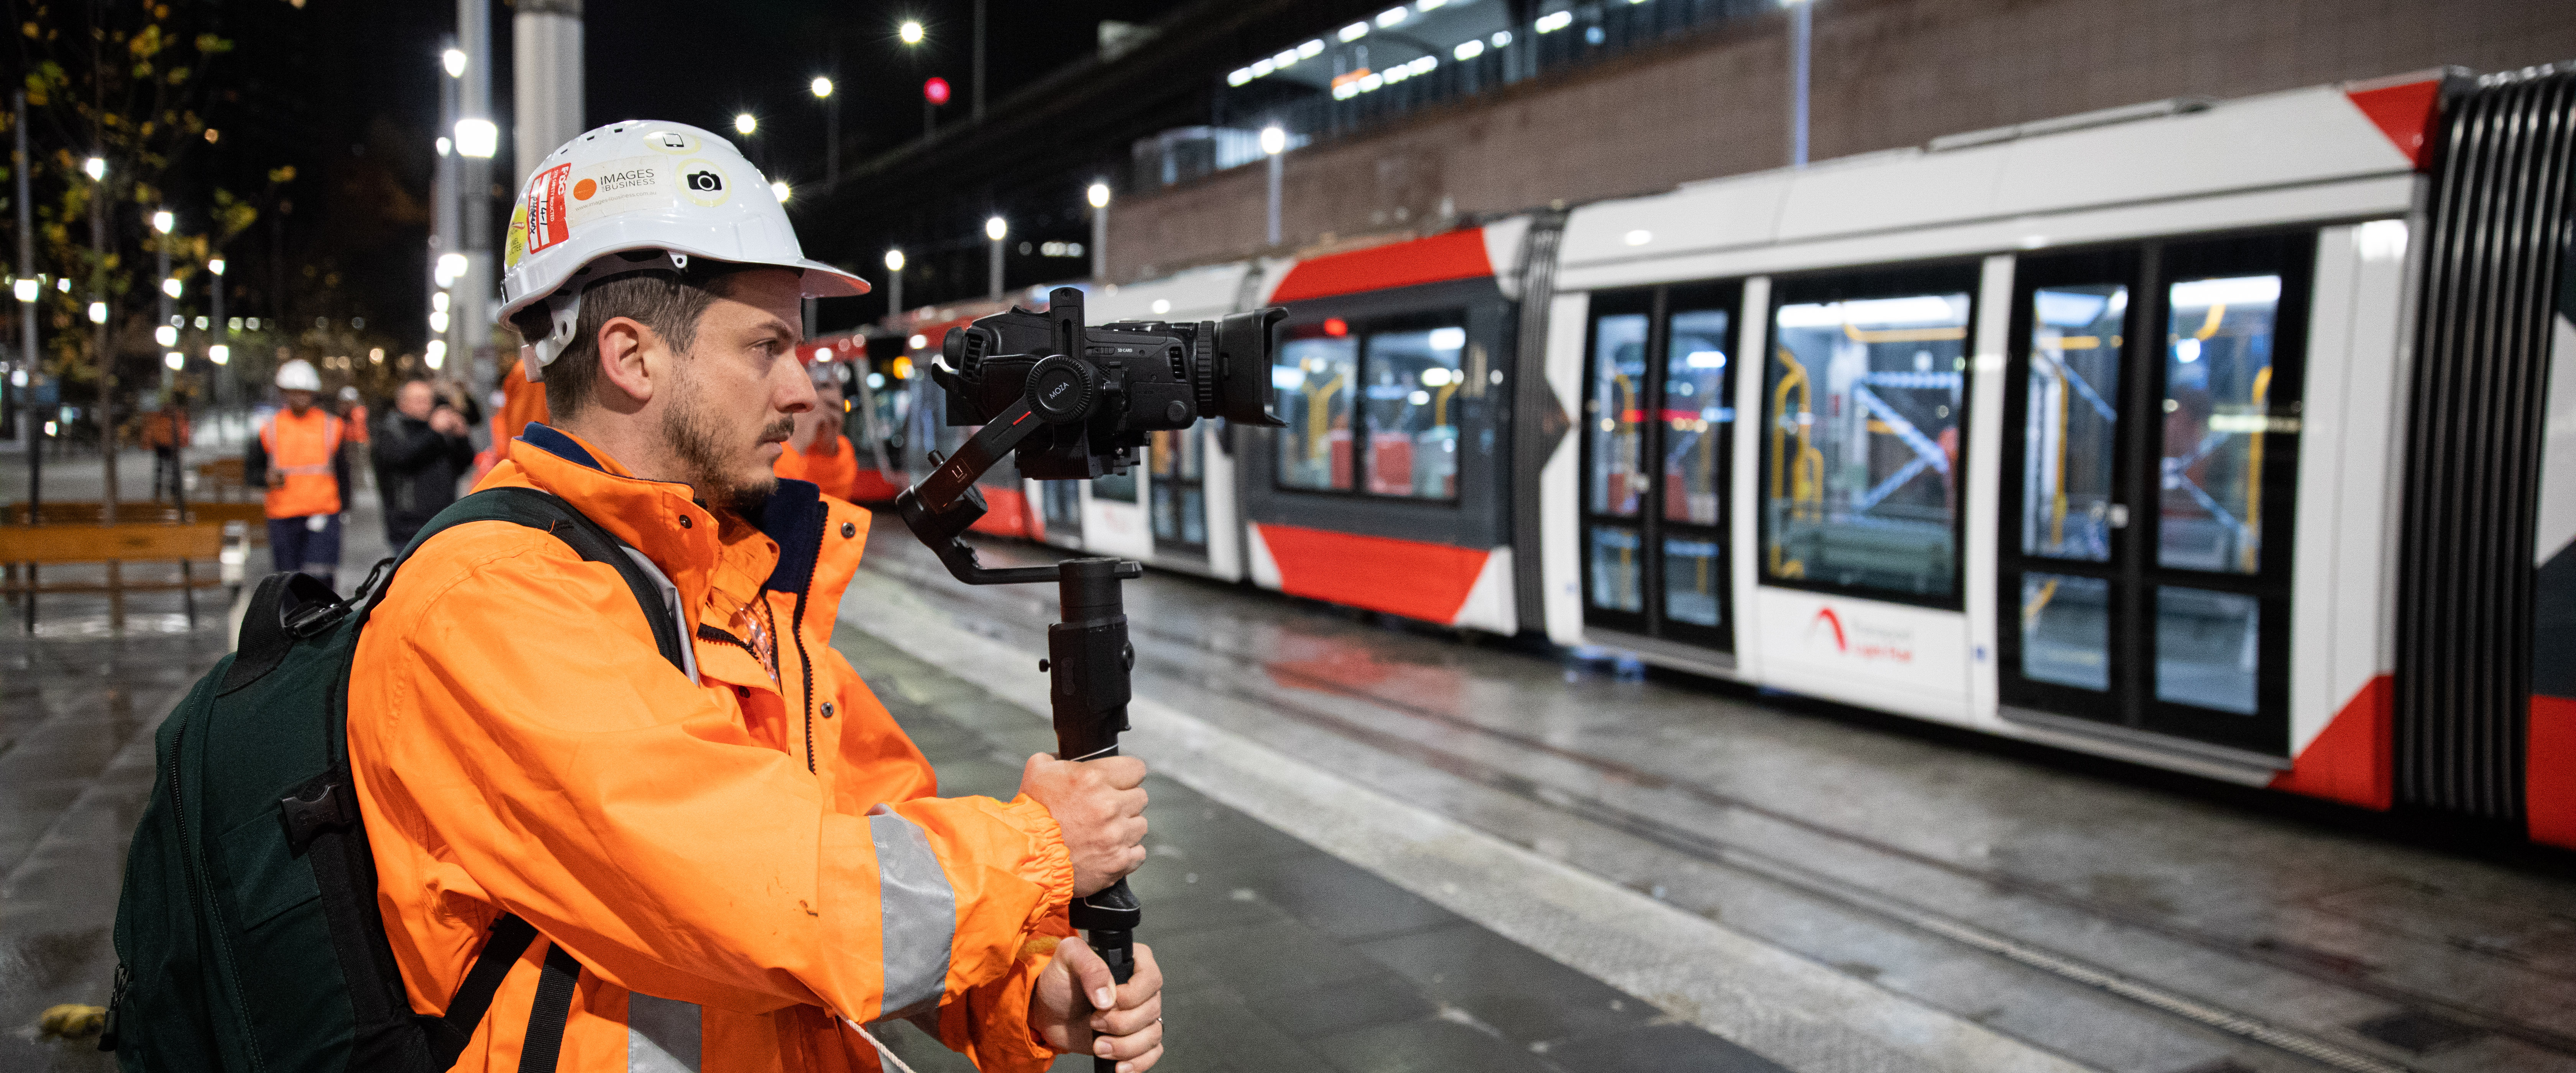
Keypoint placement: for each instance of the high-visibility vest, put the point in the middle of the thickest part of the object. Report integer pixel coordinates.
(303, 449)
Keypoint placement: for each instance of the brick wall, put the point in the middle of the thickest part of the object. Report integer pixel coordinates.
(1888, 74)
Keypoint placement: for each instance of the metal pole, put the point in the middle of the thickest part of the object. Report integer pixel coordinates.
(1275, 168)
(546, 57)
(832, 139)
(978, 115)
(1801, 31)
(894, 294)
(162, 307)
(468, 309)
(994, 270)
(106, 395)
(1100, 244)
(27, 322)
(222, 337)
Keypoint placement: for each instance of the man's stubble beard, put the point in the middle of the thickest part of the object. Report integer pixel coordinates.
(702, 444)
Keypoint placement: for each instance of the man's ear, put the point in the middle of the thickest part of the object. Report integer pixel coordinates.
(630, 356)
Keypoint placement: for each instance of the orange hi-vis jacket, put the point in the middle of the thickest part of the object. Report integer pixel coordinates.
(835, 473)
(303, 448)
(767, 847)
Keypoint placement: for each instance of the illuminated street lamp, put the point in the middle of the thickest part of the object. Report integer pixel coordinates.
(477, 138)
(216, 266)
(745, 124)
(894, 282)
(163, 221)
(170, 287)
(1098, 195)
(174, 360)
(98, 312)
(779, 187)
(95, 167)
(822, 88)
(995, 229)
(910, 31)
(1274, 141)
(166, 335)
(454, 60)
(27, 289)
(219, 353)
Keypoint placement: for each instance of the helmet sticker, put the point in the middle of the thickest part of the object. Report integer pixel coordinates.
(545, 207)
(703, 182)
(516, 246)
(672, 142)
(611, 187)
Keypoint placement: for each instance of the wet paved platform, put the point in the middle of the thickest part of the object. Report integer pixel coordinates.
(1382, 848)
(1925, 903)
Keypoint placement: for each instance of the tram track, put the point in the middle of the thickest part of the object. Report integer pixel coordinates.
(1772, 868)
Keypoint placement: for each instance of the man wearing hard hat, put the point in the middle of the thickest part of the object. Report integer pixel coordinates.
(297, 456)
(739, 865)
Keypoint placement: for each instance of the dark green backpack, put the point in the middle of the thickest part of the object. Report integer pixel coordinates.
(247, 936)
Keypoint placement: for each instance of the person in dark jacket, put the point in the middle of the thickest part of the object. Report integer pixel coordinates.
(421, 451)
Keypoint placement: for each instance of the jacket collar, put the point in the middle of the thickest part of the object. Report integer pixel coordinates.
(793, 517)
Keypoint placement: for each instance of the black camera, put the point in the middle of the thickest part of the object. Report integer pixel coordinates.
(1100, 390)
(705, 181)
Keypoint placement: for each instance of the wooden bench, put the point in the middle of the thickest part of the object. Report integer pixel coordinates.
(253, 516)
(221, 478)
(112, 545)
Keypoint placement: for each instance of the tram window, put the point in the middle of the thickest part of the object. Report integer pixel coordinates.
(2066, 630)
(2218, 378)
(1862, 446)
(1614, 411)
(2207, 648)
(1412, 377)
(1693, 578)
(1180, 504)
(1315, 377)
(1617, 559)
(1697, 415)
(2074, 406)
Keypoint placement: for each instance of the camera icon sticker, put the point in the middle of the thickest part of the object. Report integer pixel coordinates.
(703, 182)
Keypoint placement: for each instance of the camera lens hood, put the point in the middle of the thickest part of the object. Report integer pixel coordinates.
(1062, 389)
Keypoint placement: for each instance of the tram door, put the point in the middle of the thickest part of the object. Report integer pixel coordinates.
(2149, 468)
(1658, 435)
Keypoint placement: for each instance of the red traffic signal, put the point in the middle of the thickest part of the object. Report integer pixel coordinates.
(935, 91)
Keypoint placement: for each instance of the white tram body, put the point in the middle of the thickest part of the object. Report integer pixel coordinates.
(2114, 432)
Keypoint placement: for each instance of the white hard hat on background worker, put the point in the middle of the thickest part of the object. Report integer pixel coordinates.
(298, 375)
(639, 196)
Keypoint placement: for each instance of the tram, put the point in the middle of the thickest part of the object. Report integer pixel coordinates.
(2236, 438)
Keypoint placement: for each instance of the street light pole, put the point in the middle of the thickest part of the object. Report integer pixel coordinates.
(894, 284)
(162, 223)
(995, 229)
(1098, 195)
(29, 294)
(1801, 34)
(1274, 141)
(106, 409)
(831, 131)
(978, 115)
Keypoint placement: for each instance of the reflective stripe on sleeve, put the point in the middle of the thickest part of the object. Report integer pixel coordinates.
(918, 911)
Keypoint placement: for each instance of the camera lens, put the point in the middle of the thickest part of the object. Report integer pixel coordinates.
(1245, 343)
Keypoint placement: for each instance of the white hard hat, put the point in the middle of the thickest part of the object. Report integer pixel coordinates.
(298, 375)
(661, 194)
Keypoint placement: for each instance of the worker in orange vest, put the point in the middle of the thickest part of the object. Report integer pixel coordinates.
(817, 451)
(297, 455)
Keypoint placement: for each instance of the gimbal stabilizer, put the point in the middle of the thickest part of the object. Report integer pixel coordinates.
(1088, 396)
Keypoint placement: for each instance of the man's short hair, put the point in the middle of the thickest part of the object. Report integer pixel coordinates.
(667, 303)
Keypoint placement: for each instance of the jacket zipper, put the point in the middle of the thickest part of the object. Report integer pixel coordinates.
(796, 630)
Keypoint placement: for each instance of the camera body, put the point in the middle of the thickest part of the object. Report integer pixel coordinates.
(1101, 390)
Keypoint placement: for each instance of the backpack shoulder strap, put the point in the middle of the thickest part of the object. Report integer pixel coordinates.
(541, 510)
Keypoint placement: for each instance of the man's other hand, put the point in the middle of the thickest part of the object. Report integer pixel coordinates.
(446, 422)
(1098, 805)
(1074, 1012)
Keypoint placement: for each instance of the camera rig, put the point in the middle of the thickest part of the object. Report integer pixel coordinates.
(1073, 402)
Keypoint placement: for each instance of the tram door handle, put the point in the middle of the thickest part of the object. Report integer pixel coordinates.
(2117, 516)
